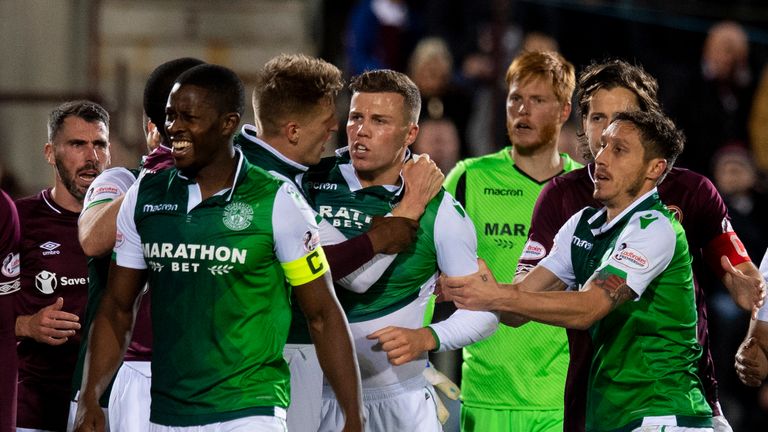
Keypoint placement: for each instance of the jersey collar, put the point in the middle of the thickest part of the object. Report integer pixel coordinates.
(225, 194)
(250, 134)
(597, 221)
(344, 161)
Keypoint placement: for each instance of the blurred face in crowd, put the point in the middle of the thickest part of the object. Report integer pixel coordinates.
(79, 152)
(603, 105)
(378, 133)
(534, 115)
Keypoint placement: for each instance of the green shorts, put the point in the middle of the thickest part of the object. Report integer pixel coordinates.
(475, 419)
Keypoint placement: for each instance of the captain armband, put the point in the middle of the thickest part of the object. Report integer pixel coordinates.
(728, 244)
(307, 268)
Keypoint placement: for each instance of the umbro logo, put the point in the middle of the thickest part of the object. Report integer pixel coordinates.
(50, 248)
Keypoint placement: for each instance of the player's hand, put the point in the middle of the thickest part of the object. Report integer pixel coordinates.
(89, 418)
(751, 363)
(353, 424)
(423, 180)
(403, 344)
(391, 235)
(478, 291)
(50, 325)
(747, 291)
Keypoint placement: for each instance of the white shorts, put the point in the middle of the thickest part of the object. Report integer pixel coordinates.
(306, 387)
(71, 418)
(670, 429)
(130, 398)
(403, 407)
(667, 424)
(274, 423)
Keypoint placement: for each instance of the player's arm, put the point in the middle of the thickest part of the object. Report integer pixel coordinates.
(725, 254)
(110, 335)
(456, 249)
(306, 269)
(113, 322)
(9, 284)
(610, 286)
(333, 341)
(752, 356)
(96, 226)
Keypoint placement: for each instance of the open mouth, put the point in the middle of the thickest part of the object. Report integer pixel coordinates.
(358, 148)
(87, 175)
(601, 176)
(180, 146)
(522, 126)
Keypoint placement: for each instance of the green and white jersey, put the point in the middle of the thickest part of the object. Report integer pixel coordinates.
(220, 300)
(445, 238)
(646, 352)
(522, 368)
(445, 241)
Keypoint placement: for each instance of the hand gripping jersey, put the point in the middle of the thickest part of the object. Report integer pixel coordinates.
(220, 300)
(9, 284)
(646, 353)
(696, 204)
(52, 265)
(522, 368)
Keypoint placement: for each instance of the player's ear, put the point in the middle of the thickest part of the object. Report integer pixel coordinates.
(413, 132)
(656, 168)
(230, 123)
(48, 151)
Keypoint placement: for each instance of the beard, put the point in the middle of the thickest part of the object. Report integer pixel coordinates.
(547, 134)
(68, 179)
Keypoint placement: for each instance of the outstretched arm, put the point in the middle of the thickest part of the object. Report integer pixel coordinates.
(333, 341)
(745, 284)
(604, 292)
(110, 336)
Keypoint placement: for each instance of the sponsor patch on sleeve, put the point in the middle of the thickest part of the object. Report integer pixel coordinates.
(534, 251)
(631, 258)
(11, 265)
(311, 241)
(119, 239)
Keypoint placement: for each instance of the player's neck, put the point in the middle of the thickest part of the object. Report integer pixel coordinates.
(389, 176)
(217, 176)
(66, 200)
(541, 164)
(617, 205)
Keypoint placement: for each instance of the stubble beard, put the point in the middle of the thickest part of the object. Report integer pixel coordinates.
(68, 180)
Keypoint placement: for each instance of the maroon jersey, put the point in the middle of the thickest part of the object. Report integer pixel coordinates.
(52, 265)
(699, 208)
(9, 285)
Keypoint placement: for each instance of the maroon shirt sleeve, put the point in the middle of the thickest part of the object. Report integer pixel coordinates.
(348, 256)
(9, 284)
